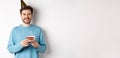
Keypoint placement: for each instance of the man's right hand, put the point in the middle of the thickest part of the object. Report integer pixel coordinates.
(25, 42)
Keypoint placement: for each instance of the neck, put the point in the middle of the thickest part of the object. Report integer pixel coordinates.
(25, 24)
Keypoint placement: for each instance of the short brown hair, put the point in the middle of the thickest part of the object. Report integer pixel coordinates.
(26, 8)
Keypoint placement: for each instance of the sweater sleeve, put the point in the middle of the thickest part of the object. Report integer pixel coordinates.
(12, 47)
(42, 44)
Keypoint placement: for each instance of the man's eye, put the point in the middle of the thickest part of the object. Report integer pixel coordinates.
(23, 14)
(29, 14)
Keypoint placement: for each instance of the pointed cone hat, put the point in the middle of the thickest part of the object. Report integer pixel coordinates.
(23, 4)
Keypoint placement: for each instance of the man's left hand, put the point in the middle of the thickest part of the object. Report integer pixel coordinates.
(35, 44)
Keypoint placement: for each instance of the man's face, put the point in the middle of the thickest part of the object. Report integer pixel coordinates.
(26, 16)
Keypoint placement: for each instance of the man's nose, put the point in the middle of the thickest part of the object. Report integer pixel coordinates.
(26, 16)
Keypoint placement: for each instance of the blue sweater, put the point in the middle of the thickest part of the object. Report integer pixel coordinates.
(20, 33)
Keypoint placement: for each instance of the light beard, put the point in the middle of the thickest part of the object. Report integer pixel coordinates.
(26, 22)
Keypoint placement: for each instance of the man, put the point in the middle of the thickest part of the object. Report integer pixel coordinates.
(26, 40)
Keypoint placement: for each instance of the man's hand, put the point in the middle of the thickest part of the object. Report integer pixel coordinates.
(25, 42)
(35, 44)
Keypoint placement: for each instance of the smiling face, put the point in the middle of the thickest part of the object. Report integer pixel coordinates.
(26, 16)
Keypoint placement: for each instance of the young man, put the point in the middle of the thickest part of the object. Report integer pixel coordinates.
(26, 40)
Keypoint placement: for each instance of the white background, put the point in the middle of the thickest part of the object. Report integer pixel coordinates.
(73, 28)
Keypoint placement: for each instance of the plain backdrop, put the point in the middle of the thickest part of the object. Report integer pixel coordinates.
(73, 28)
